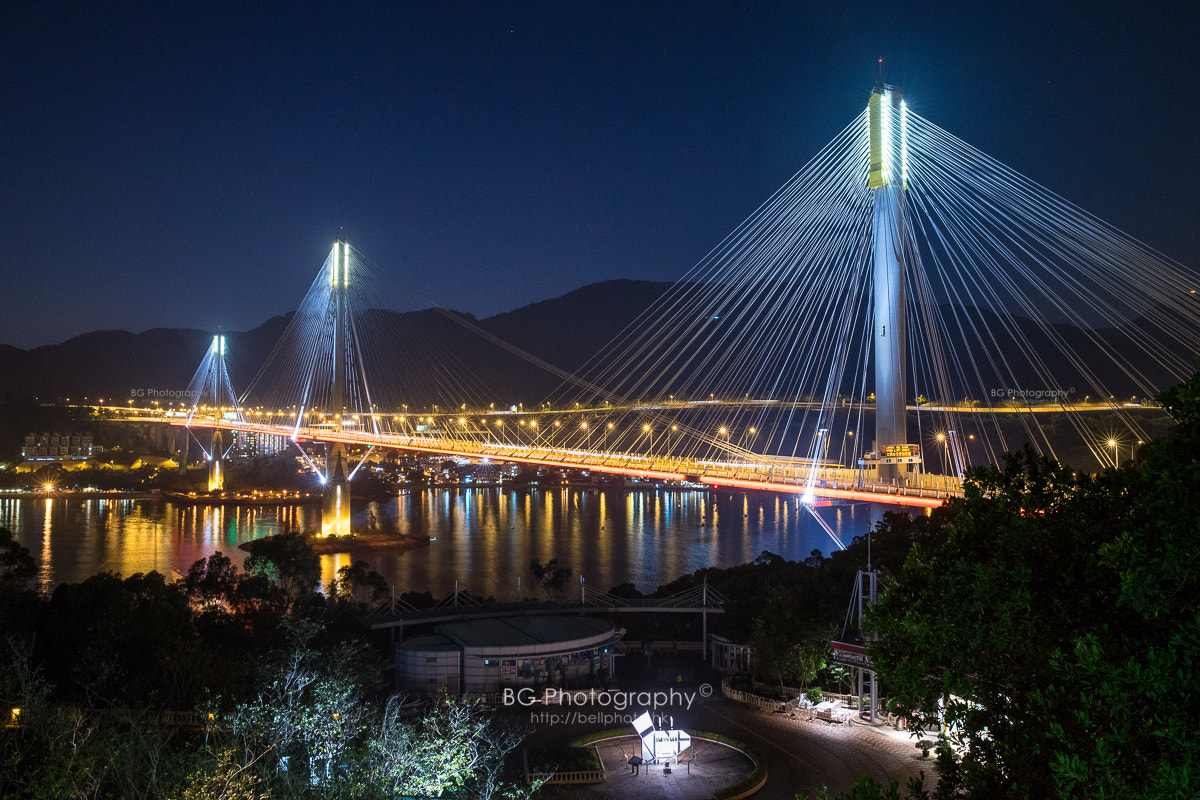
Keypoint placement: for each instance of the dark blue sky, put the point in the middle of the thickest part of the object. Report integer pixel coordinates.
(175, 164)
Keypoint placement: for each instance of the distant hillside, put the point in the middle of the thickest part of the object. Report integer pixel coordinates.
(425, 355)
(568, 330)
(110, 364)
(563, 331)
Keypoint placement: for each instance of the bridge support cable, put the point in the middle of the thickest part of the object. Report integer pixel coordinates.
(829, 531)
(911, 285)
(321, 473)
(1009, 308)
(1019, 264)
(361, 461)
(724, 341)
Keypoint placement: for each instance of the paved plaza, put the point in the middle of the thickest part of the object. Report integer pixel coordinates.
(801, 755)
(706, 769)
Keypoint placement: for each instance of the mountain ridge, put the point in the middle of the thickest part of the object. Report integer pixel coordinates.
(431, 350)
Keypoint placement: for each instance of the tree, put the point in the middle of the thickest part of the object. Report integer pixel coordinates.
(969, 628)
(212, 581)
(308, 716)
(1052, 624)
(788, 643)
(224, 780)
(17, 567)
(360, 585)
(128, 641)
(311, 731)
(452, 749)
(286, 560)
(1123, 701)
(867, 788)
(550, 577)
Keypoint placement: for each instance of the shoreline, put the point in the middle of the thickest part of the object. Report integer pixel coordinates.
(240, 500)
(80, 495)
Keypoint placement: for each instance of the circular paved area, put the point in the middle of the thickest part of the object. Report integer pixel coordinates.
(801, 755)
(707, 767)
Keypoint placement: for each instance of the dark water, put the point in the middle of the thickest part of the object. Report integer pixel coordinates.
(482, 538)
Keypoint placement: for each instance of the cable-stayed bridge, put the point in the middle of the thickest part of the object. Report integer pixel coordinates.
(902, 307)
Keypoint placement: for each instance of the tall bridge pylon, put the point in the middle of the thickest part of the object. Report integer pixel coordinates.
(888, 179)
(212, 392)
(335, 505)
(325, 382)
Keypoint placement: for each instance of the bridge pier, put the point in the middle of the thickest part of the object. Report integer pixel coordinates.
(216, 462)
(335, 503)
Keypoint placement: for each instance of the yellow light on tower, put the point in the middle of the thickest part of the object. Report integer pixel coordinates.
(882, 168)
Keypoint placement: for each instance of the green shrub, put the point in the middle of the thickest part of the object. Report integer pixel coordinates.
(563, 759)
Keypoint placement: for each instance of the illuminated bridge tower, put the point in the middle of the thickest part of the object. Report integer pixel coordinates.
(216, 442)
(335, 507)
(211, 388)
(888, 181)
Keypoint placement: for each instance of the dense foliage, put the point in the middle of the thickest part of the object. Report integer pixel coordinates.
(1052, 623)
(227, 683)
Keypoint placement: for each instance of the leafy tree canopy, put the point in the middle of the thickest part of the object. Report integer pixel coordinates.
(1053, 623)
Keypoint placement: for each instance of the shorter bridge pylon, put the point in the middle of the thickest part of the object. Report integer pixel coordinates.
(212, 394)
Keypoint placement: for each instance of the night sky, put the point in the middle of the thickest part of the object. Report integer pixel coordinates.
(189, 165)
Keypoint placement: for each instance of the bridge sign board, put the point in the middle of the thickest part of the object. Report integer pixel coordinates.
(851, 655)
(894, 454)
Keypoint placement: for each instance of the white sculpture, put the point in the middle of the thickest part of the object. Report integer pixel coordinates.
(660, 745)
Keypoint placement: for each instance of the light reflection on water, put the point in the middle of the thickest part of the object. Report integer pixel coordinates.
(484, 539)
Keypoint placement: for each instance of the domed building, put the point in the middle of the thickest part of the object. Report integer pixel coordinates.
(485, 654)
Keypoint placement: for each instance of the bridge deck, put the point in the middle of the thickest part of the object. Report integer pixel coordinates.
(759, 474)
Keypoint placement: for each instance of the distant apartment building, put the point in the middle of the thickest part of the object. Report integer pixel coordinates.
(59, 447)
(253, 443)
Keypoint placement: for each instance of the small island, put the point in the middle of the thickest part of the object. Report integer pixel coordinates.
(356, 541)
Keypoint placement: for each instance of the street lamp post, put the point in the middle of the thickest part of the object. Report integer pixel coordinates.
(1116, 453)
